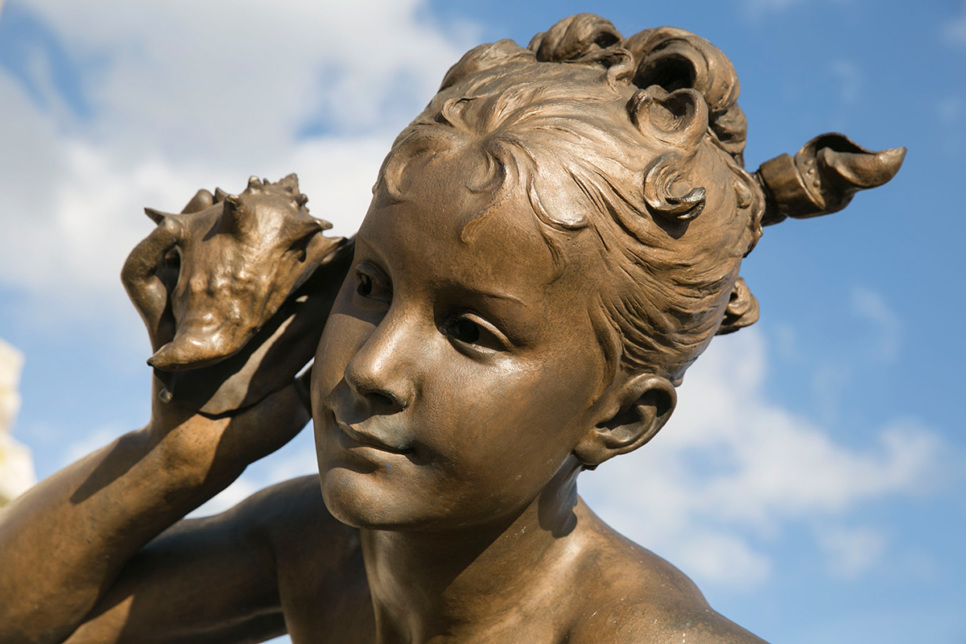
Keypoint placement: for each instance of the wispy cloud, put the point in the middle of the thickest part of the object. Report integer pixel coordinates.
(90, 442)
(294, 460)
(953, 30)
(950, 110)
(233, 98)
(851, 552)
(241, 489)
(734, 471)
(886, 324)
(849, 78)
(760, 8)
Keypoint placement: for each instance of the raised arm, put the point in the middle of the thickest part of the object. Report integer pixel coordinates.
(64, 543)
(224, 394)
(216, 579)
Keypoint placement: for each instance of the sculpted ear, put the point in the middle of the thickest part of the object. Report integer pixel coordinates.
(636, 412)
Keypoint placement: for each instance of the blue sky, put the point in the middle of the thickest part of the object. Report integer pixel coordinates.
(811, 481)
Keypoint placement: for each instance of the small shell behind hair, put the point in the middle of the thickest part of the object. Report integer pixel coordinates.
(742, 309)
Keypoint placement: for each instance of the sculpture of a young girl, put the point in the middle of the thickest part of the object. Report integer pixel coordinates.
(550, 245)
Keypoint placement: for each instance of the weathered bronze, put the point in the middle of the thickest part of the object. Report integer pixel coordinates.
(206, 281)
(550, 245)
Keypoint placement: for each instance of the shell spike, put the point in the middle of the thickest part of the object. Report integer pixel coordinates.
(289, 183)
(156, 215)
(237, 217)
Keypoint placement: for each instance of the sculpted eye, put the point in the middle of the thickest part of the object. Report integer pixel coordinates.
(371, 284)
(469, 331)
(465, 331)
(364, 287)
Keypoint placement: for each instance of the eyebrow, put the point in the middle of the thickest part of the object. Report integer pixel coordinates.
(450, 284)
(454, 285)
(490, 295)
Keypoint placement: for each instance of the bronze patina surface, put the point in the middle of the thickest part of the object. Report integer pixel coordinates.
(550, 245)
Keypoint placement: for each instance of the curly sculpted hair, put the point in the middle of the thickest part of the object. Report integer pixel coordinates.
(638, 141)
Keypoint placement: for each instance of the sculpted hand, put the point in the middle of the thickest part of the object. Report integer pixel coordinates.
(221, 447)
(234, 292)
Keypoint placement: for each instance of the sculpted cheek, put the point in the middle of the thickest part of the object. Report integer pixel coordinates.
(341, 339)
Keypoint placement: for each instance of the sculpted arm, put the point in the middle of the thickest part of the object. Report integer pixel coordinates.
(65, 543)
(234, 303)
(213, 579)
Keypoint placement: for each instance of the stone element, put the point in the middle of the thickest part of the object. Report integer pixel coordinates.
(16, 466)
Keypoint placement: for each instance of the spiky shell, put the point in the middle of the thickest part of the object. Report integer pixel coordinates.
(239, 257)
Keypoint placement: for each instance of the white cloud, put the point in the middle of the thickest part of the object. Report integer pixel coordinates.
(241, 489)
(296, 459)
(209, 71)
(872, 306)
(723, 558)
(733, 471)
(190, 95)
(786, 343)
(851, 551)
(90, 442)
(830, 380)
(94, 217)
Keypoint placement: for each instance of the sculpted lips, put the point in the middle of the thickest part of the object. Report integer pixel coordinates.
(369, 438)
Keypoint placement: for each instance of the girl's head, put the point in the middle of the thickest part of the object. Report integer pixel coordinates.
(633, 145)
(551, 244)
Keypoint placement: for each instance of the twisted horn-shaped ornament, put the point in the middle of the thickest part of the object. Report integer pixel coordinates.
(823, 176)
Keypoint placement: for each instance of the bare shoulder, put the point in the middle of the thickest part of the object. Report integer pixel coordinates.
(637, 596)
(226, 577)
(291, 520)
(272, 512)
(322, 584)
(636, 621)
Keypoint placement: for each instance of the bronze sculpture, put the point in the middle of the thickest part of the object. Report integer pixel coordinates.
(551, 244)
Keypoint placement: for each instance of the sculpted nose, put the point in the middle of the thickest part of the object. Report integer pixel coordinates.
(377, 375)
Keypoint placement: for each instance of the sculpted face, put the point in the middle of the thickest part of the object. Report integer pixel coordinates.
(453, 377)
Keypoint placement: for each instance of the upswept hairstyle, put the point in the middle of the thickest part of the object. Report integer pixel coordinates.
(638, 141)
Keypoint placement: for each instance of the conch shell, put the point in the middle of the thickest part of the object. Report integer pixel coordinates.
(231, 292)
